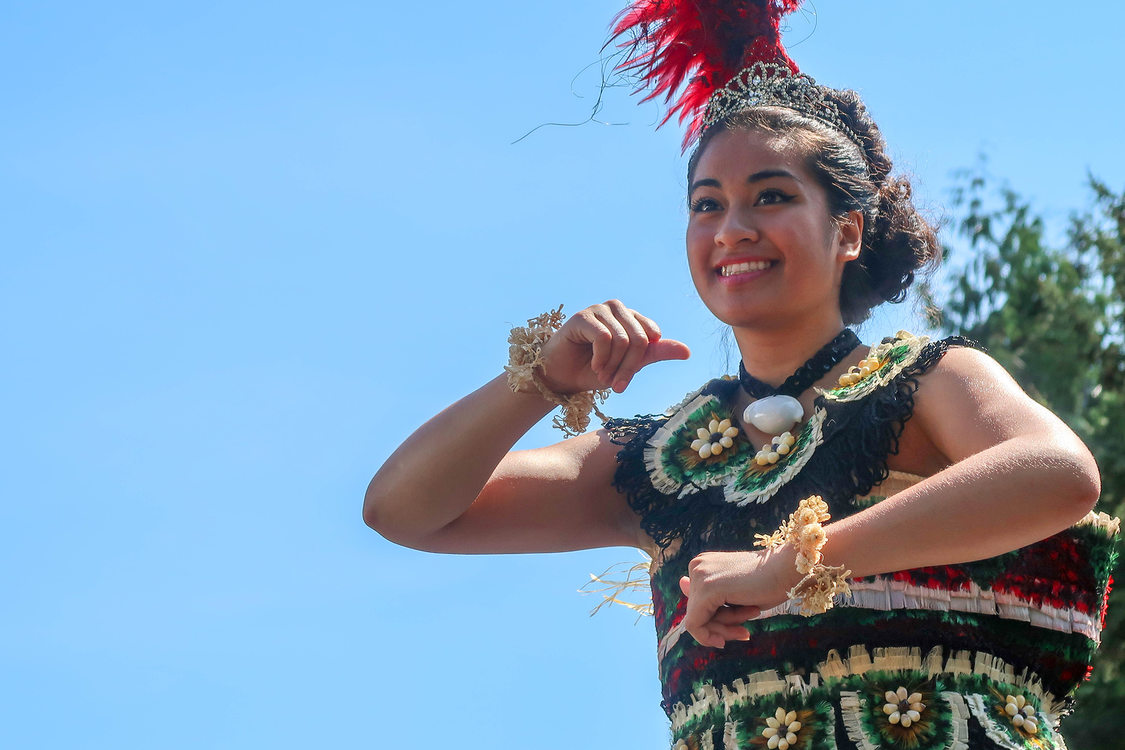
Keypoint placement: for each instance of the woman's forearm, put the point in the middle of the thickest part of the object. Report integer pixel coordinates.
(1003, 498)
(436, 474)
(1011, 495)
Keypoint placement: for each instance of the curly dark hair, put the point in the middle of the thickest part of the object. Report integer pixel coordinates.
(898, 241)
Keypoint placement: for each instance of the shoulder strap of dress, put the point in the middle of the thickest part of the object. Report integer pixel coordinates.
(862, 433)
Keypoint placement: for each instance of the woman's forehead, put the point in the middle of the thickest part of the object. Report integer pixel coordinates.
(745, 152)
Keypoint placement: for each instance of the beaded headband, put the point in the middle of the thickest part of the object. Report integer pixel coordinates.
(713, 58)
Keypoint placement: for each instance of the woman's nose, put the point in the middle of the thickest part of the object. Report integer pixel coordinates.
(736, 227)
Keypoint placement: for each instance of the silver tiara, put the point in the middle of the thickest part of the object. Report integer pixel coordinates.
(774, 84)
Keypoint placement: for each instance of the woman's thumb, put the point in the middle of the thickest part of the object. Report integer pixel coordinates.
(665, 349)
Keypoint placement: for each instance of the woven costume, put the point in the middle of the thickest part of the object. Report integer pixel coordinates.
(978, 655)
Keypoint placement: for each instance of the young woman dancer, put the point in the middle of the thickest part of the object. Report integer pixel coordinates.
(853, 546)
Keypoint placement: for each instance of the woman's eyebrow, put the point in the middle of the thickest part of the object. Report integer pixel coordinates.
(764, 174)
(705, 182)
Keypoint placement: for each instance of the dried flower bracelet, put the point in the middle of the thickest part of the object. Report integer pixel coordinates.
(804, 532)
(525, 360)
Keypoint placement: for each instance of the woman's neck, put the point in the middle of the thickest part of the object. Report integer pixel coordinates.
(773, 354)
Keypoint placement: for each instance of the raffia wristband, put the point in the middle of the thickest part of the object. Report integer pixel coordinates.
(803, 531)
(525, 361)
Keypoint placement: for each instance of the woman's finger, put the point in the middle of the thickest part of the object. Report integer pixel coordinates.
(627, 334)
(650, 326)
(729, 632)
(665, 349)
(616, 346)
(660, 348)
(736, 614)
(699, 620)
(714, 624)
(639, 341)
(728, 623)
(591, 329)
(716, 636)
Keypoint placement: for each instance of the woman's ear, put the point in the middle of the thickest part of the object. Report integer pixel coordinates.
(850, 228)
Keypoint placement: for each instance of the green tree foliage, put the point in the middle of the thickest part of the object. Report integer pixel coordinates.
(1053, 313)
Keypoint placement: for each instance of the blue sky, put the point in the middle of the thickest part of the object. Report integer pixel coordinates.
(249, 247)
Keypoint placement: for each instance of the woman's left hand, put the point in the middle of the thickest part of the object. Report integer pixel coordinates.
(725, 589)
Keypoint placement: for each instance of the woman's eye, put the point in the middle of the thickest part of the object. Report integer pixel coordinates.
(704, 205)
(768, 197)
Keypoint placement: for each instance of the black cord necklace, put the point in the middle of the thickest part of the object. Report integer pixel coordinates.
(811, 371)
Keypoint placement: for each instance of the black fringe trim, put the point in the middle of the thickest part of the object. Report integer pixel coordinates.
(859, 437)
(631, 479)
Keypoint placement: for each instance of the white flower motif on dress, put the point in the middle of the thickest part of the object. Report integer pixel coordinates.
(1021, 713)
(712, 440)
(781, 730)
(772, 452)
(903, 708)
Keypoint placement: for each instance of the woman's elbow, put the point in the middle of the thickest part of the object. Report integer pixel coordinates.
(1089, 490)
(1079, 481)
(378, 504)
(388, 511)
(373, 514)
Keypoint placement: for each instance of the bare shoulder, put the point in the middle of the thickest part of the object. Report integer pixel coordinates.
(967, 403)
(965, 374)
(970, 366)
(967, 384)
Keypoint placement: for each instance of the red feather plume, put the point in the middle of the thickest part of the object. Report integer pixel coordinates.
(703, 43)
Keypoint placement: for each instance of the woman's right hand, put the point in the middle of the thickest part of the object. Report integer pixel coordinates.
(604, 346)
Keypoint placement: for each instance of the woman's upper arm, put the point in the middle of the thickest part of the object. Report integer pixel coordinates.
(969, 403)
(552, 499)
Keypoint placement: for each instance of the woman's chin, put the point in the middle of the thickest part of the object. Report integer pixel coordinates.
(745, 317)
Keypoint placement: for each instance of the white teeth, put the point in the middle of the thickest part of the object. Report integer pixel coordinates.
(757, 265)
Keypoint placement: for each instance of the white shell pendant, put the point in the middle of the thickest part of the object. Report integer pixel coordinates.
(774, 414)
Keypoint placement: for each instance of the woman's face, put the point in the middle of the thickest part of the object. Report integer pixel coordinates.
(762, 247)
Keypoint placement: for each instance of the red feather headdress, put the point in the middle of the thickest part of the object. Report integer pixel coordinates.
(703, 43)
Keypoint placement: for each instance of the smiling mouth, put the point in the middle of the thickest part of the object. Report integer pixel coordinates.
(745, 267)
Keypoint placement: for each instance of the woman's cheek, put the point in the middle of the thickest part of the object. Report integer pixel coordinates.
(698, 252)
